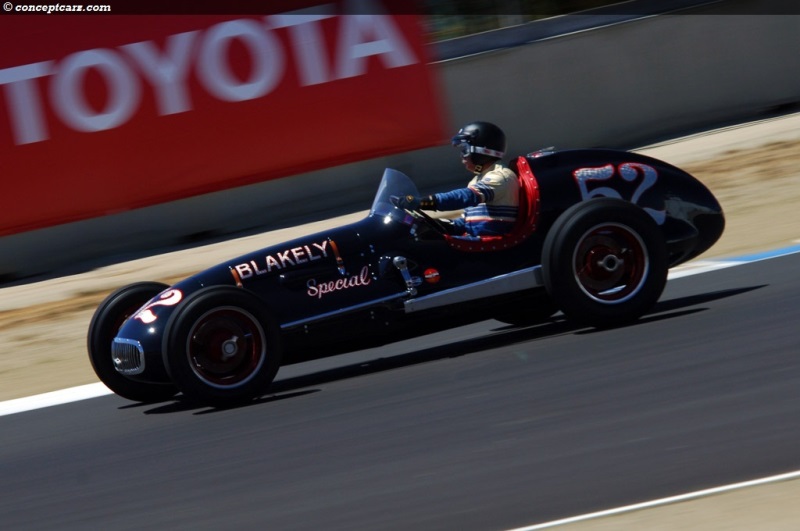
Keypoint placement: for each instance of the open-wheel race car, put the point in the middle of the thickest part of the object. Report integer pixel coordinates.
(596, 233)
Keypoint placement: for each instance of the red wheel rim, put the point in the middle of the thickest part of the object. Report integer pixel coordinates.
(610, 263)
(226, 347)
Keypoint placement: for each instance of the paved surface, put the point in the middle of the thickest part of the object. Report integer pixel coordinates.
(486, 427)
(753, 170)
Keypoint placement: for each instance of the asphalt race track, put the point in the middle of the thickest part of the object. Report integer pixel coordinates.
(485, 428)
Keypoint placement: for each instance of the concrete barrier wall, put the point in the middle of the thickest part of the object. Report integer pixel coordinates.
(633, 82)
(615, 86)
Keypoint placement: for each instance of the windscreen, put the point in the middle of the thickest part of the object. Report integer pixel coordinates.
(394, 183)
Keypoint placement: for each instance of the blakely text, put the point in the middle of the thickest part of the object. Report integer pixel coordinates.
(284, 259)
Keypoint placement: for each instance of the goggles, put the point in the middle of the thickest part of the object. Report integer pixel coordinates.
(465, 149)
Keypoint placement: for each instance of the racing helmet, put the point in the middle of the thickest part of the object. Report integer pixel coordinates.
(482, 142)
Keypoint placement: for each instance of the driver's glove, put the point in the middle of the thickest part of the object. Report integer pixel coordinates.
(411, 202)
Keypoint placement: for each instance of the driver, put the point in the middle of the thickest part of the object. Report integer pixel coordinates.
(491, 199)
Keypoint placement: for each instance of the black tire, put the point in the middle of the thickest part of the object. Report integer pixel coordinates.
(106, 322)
(604, 262)
(206, 325)
(531, 311)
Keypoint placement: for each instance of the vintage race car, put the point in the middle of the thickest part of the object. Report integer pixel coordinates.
(596, 234)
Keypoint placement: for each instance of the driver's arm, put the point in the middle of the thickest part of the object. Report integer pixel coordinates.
(456, 200)
(480, 191)
(412, 202)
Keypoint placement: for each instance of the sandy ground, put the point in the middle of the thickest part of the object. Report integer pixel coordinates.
(770, 507)
(753, 170)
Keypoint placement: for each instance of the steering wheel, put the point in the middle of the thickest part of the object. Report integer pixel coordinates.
(437, 226)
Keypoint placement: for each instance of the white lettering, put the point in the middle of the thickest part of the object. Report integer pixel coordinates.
(265, 52)
(629, 172)
(23, 101)
(584, 176)
(271, 262)
(355, 46)
(68, 101)
(167, 73)
(170, 297)
(319, 289)
(244, 271)
(291, 257)
(284, 258)
(298, 253)
(309, 45)
(256, 269)
(322, 247)
(310, 254)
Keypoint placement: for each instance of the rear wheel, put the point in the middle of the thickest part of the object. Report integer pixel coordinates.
(604, 262)
(106, 322)
(221, 347)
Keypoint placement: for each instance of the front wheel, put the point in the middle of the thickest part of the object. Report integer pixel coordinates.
(106, 322)
(221, 347)
(604, 262)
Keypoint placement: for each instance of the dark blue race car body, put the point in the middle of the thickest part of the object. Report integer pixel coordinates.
(599, 230)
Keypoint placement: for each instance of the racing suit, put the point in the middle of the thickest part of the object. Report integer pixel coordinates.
(490, 202)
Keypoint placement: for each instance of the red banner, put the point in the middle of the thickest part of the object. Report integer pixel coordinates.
(101, 114)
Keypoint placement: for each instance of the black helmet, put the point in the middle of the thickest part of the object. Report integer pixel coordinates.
(483, 142)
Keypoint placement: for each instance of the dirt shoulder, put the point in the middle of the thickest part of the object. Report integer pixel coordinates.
(753, 170)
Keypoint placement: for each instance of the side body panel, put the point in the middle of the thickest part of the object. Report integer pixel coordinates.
(689, 214)
(343, 289)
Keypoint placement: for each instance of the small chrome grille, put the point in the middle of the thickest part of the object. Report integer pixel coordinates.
(128, 356)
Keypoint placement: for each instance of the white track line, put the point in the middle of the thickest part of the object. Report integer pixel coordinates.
(84, 392)
(55, 398)
(663, 501)
(695, 268)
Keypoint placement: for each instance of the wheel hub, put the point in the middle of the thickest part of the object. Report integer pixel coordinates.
(226, 347)
(610, 263)
(230, 348)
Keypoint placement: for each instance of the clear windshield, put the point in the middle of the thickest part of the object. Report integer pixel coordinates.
(394, 183)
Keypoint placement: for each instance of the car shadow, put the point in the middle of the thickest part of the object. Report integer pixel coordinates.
(502, 336)
(181, 405)
(701, 298)
(678, 307)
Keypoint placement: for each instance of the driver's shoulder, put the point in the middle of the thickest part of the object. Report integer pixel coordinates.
(499, 175)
